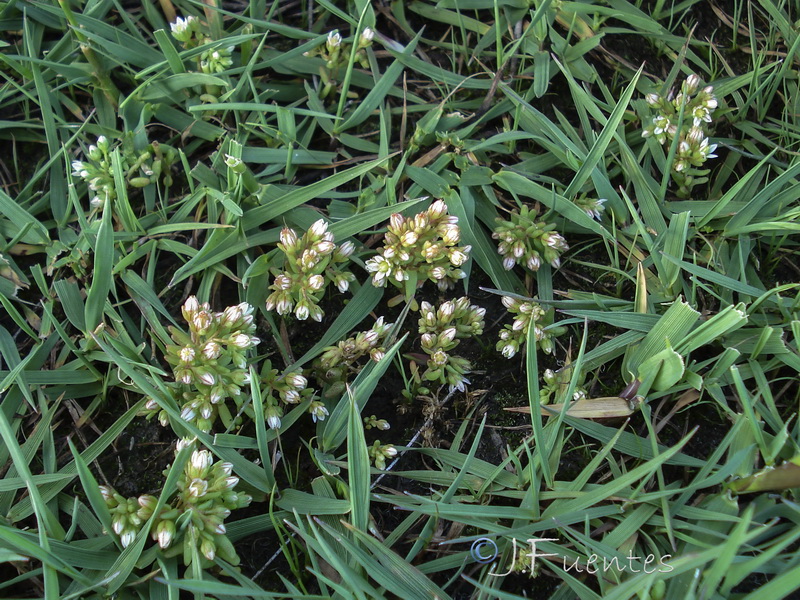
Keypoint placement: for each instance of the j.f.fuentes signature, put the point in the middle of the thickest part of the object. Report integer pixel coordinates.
(484, 550)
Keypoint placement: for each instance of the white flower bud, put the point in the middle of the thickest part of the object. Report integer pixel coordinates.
(164, 535)
(212, 350)
(202, 459)
(296, 380)
(346, 249)
(437, 209)
(396, 222)
(198, 487)
(447, 336)
(288, 237)
(319, 228)
(451, 234)
(242, 340)
(316, 282)
(207, 378)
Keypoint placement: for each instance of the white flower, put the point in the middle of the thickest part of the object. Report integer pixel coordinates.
(389, 451)
(301, 312)
(126, 538)
(274, 422)
(318, 411)
(188, 414)
(458, 258)
(334, 40)
(366, 37)
(182, 29)
(232, 161)
(460, 385)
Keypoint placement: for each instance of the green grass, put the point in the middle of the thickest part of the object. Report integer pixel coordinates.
(682, 298)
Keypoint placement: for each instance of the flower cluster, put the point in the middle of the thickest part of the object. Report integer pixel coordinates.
(425, 244)
(591, 206)
(527, 314)
(338, 363)
(193, 520)
(376, 423)
(529, 242)
(336, 56)
(280, 390)
(379, 453)
(442, 329)
(216, 60)
(556, 384)
(140, 169)
(311, 262)
(694, 147)
(210, 360)
(189, 32)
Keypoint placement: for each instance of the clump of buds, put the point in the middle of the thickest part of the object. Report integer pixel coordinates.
(591, 206)
(376, 423)
(190, 32)
(379, 453)
(311, 262)
(140, 169)
(556, 385)
(442, 329)
(191, 521)
(425, 245)
(281, 390)
(527, 315)
(694, 147)
(339, 363)
(216, 60)
(209, 361)
(529, 242)
(336, 56)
